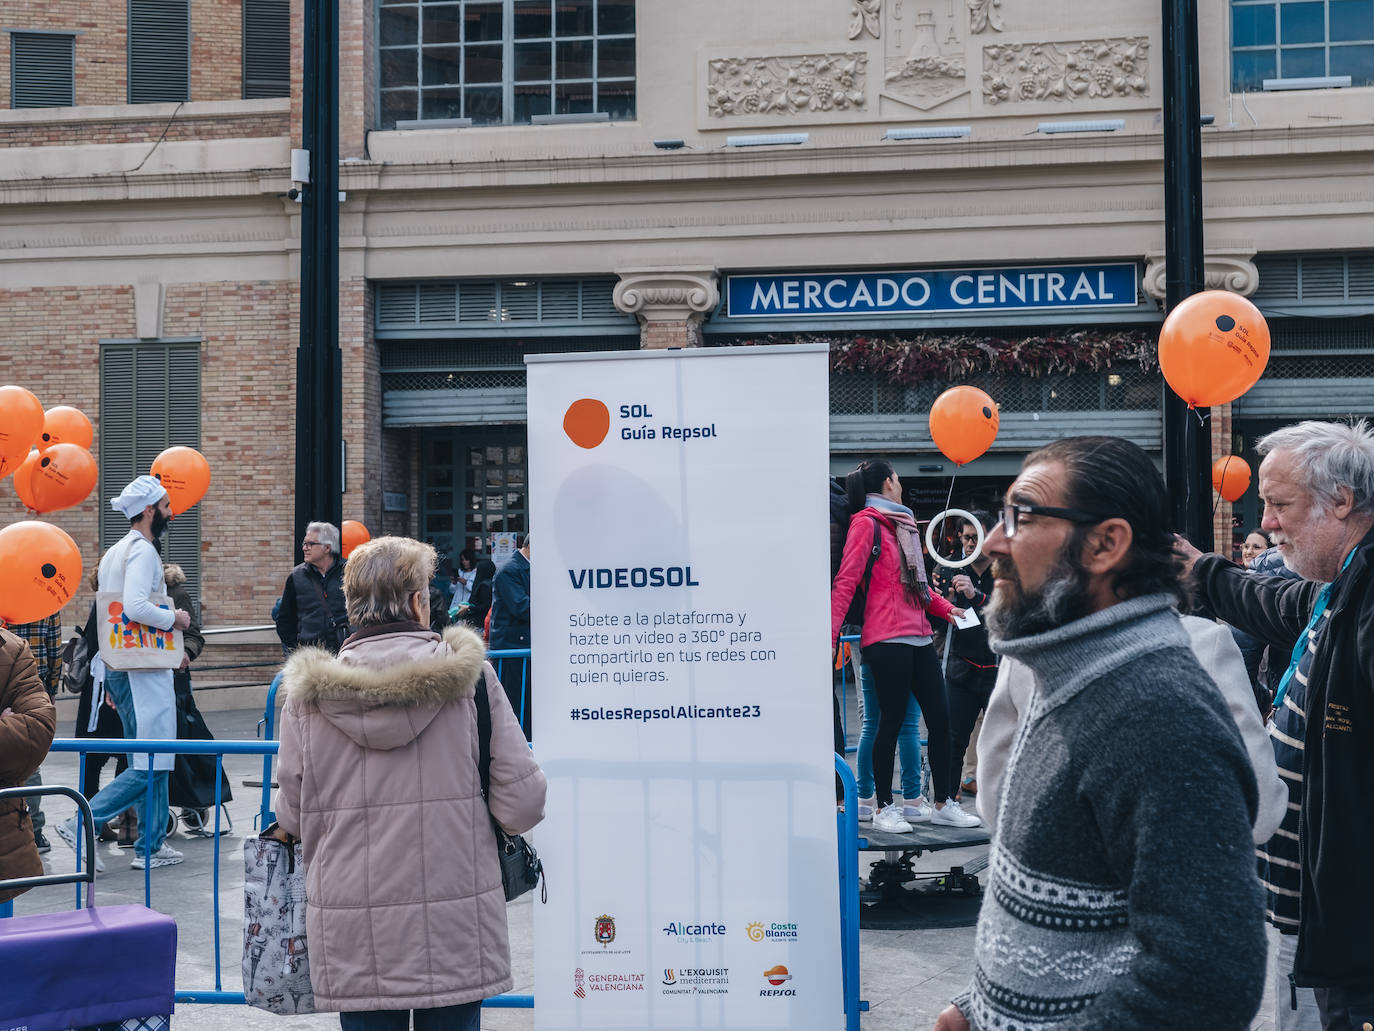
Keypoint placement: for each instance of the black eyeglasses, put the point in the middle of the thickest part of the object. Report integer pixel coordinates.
(1013, 510)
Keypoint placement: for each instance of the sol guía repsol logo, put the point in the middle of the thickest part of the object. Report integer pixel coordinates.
(777, 977)
(588, 421)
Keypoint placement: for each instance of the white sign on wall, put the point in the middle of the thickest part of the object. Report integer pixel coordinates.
(682, 704)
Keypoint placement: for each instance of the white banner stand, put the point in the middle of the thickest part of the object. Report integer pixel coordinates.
(682, 691)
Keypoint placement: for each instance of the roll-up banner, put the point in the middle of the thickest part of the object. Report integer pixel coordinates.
(682, 692)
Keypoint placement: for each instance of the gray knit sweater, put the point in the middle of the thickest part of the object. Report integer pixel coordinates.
(1122, 890)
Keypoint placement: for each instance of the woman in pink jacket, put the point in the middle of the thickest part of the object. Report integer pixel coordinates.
(896, 637)
(379, 780)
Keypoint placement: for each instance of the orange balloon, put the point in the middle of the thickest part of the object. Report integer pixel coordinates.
(64, 476)
(963, 423)
(21, 421)
(185, 473)
(23, 480)
(1213, 348)
(40, 566)
(1231, 477)
(66, 425)
(353, 534)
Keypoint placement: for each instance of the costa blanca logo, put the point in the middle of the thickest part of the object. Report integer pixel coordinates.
(777, 976)
(578, 989)
(587, 422)
(759, 931)
(605, 929)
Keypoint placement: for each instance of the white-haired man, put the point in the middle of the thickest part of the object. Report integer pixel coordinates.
(313, 611)
(145, 699)
(1317, 485)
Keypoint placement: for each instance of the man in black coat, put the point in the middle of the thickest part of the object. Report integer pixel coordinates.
(312, 602)
(1317, 485)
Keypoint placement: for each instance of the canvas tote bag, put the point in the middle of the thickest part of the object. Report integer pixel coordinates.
(126, 645)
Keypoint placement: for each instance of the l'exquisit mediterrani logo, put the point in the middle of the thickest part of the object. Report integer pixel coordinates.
(587, 422)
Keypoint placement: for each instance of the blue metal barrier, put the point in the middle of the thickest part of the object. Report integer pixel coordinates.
(847, 834)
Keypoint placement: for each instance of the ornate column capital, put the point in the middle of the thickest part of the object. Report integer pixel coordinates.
(667, 294)
(1225, 270)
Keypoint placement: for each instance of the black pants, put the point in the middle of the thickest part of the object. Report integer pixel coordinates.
(1345, 1009)
(900, 671)
(968, 688)
(464, 1017)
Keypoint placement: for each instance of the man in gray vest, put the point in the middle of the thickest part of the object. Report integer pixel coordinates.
(312, 602)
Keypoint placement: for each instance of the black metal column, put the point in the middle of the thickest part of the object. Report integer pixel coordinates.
(319, 374)
(1187, 440)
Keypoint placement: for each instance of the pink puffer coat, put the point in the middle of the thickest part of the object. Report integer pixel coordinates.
(378, 774)
(889, 612)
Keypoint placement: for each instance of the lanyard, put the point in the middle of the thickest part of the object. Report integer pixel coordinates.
(1298, 649)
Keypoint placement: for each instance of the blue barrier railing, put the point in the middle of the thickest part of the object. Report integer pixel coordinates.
(847, 836)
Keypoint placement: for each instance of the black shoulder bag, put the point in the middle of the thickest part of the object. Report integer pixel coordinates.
(855, 615)
(521, 867)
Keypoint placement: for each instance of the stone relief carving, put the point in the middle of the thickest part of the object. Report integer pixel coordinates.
(666, 294)
(1234, 272)
(865, 15)
(786, 85)
(930, 71)
(984, 15)
(1066, 71)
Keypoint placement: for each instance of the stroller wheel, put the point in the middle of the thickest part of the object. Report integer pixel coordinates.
(171, 821)
(194, 819)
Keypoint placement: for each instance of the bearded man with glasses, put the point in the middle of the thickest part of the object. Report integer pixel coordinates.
(313, 611)
(1093, 918)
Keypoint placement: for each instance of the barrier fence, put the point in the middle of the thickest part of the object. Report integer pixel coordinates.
(847, 836)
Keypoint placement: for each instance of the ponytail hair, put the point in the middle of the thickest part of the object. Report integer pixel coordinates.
(867, 478)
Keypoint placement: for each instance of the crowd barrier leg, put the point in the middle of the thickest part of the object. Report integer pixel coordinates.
(267, 729)
(848, 837)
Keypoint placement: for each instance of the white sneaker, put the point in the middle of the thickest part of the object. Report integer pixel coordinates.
(165, 856)
(953, 816)
(919, 811)
(866, 807)
(889, 819)
(66, 830)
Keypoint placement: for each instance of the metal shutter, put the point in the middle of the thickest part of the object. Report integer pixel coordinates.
(266, 49)
(149, 401)
(159, 51)
(42, 70)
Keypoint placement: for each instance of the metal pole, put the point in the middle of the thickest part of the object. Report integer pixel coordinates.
(319, 382)
(1187, 438)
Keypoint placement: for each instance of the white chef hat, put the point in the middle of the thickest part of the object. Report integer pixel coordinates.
(142, 492)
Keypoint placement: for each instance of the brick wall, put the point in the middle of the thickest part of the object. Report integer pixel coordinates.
(248, 333)
(216, 50)
(180, 127)
(362, 405)
(398, 449)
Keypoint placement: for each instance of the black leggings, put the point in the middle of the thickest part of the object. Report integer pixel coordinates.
(969, 687)
(900, 671)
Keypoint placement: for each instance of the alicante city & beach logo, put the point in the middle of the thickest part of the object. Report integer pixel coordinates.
(777, 976)
(681, 931)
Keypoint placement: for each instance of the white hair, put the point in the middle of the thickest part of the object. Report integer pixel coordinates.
(1328, 456)
(328, 535)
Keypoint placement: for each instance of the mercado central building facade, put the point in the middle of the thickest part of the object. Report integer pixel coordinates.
(944, 191)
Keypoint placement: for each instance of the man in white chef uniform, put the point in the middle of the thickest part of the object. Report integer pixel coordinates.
(145, 699)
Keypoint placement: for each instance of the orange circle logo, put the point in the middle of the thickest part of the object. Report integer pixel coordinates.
(587, 422)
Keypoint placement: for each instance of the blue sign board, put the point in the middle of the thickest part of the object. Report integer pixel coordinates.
(1020, 288)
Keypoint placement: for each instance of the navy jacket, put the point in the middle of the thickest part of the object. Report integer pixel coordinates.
(510, 604)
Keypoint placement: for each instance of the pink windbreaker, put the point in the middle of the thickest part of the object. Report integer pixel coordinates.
(889, 612)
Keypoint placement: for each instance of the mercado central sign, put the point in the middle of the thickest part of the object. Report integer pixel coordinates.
(932, 290)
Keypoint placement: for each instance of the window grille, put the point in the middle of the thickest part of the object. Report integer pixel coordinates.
(499, 304)
(42, 69)
(266, 49)
(159, 51)
(504, 62)
(1315, 279)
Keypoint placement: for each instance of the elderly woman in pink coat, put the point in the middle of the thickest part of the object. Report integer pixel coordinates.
(379, 779)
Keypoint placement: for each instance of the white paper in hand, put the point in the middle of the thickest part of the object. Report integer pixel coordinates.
(969, 621)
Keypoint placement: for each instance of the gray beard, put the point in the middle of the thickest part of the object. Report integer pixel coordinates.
(1061, 599)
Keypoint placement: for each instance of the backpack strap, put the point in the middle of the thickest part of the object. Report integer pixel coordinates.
(873, 554)
(483, 732)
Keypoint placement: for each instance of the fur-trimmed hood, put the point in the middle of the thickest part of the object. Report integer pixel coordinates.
(383, 690)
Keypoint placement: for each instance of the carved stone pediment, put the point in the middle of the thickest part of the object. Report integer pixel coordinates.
(1234, 271)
